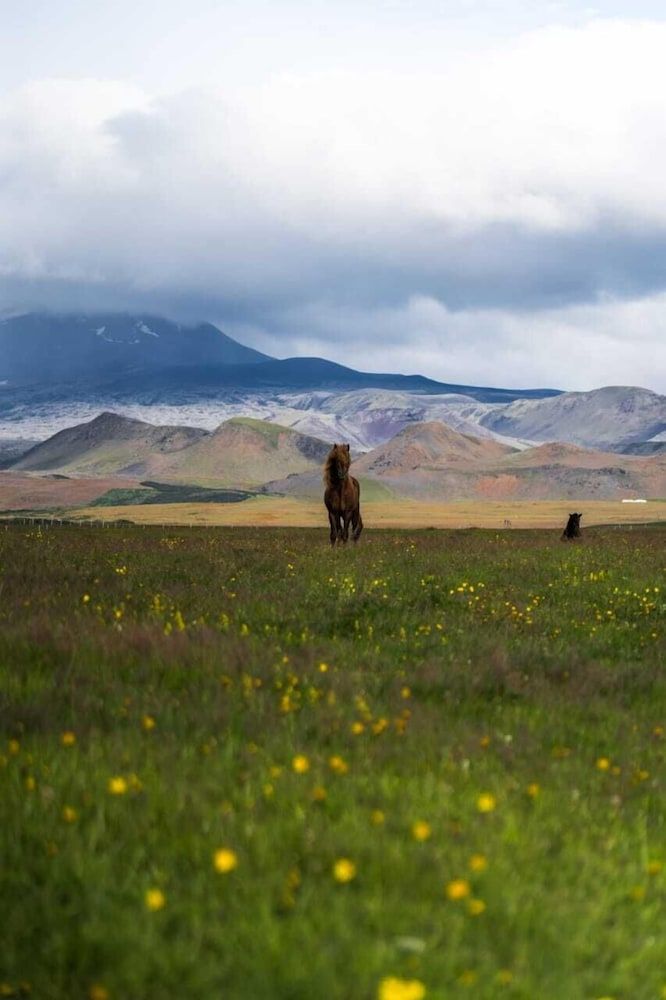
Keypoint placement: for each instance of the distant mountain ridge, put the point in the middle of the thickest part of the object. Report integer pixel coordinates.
(41, 347)
(133, 355)
(59, 371)
(302, 374)
(613, 415)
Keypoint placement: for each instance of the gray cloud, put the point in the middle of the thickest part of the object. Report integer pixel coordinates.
(479, 217)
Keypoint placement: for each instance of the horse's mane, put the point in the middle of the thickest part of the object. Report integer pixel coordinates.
(338, 453)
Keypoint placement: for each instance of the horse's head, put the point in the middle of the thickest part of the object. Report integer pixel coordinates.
(338, 462)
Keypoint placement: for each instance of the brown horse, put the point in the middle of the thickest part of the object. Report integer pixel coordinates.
(342, 495)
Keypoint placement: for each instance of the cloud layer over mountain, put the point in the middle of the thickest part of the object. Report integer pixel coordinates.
(492, 212)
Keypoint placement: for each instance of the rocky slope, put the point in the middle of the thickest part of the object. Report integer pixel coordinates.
(604, 418)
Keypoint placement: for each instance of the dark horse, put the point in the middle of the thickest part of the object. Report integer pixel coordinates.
(342, 495)
(572, 529)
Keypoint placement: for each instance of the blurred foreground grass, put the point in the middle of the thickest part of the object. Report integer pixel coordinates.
(238, 764)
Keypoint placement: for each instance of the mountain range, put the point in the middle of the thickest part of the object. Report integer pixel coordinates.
(60, 371)
(427, 460)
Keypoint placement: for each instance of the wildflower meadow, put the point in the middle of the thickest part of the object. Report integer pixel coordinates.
(238, 764)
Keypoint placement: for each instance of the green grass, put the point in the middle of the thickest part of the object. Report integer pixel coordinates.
(372, 490)
(439, 666)
(268, 430)
(151, 493)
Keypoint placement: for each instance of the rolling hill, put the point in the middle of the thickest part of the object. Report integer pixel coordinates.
(107, 445)
(426, 448)
(426, 461)
(239, 452)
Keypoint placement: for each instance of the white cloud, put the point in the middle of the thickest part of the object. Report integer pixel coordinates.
(578, 347)
(461, 201)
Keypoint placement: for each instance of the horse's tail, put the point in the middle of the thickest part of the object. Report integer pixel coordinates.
(357, 520)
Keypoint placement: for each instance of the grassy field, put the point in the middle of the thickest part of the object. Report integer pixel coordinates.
(289, 511)
(240, 765)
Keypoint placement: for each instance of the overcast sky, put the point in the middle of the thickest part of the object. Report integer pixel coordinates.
(467, 189)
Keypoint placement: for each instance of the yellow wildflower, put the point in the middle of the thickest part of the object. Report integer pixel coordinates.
(393, 988)
(117, 785)
(225, 860)
(69, 814)
(421, 830)
(286, 704)
(475, 907)
(300, 764)
(377, 817)
(338, 765)
(459, 888)
(14, 747)
(478, 863)
(30, 783)
(504, 977)
(654, 867)
(357, 728)
(155, 899)
(98, 992)
(533, 790)
(603, 763)
(68, 739)
(148, 723)
(318, 793)
(344, 870)
(486, 802)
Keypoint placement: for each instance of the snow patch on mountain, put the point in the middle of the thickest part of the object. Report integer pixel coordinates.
(146, 329)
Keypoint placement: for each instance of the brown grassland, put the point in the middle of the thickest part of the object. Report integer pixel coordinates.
(399, 513)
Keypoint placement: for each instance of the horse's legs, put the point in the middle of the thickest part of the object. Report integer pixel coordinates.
(346, 518)
(357, 524)
(333, 521)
